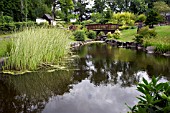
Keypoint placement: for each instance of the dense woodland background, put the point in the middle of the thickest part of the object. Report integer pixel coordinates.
(23, 10)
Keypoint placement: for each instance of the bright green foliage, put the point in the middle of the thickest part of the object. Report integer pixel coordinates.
(101, 34)
(145, 32)
(123, 18)
(37, 46)
(91, 34)
(79, 35)
(162, 44)
(155, 97)
(109, 35)
(141, 18)
(117, 34)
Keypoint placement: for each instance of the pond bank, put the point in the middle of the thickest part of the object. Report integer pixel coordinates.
(127, 45)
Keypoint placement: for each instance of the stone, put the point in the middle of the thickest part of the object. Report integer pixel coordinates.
(150, 49)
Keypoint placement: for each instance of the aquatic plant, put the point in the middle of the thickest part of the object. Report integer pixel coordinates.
(37, 46)
(155, 97)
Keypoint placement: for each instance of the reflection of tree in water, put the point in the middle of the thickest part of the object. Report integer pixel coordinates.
(103, 64)
(30, 93)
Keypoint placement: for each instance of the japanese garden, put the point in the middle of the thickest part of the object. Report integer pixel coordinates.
(85, 56)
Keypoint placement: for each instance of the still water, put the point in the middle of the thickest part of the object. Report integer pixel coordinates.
(100, 79)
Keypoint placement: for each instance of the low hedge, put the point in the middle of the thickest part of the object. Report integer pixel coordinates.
(15, 26)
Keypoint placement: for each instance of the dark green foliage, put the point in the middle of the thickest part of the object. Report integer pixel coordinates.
(6, 19)
(16, 26)
(138, 38)
(153, 17)
(79, 35)
(91, 34)
(155, 97)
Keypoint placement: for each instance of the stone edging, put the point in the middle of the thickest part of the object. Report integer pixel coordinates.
(127, 45)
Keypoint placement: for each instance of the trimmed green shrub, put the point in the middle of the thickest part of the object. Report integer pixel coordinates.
(123, 18)
(145, 32)
(116, 34)
(141, 18)
(6, 19)
(109, 35)
(101, 34)
(155, 97)
(16, 26)
(79, 35)
(91, 34)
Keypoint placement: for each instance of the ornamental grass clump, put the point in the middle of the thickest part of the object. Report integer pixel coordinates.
(37, 46)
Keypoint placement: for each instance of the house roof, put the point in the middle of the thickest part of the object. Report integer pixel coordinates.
(47, 16)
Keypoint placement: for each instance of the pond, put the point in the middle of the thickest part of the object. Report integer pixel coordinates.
(101, 79)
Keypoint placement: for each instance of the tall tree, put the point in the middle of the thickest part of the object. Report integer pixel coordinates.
(138, 6)
(81, 9)
(99, 5)
(161, 7)
(66, 7)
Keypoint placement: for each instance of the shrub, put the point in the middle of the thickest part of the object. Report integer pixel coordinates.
(79, 35)
(91, 34)
(16, 26)
(124, 27)
(145, 32)
(6, 19)
(141, 18)
(117, 34)
(95, 17)
(123, 18)
(101, 34)
(138, 38)
(155, 97)
(109, 35)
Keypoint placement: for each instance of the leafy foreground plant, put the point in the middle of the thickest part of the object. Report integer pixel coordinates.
(155, 98)
(37, 46)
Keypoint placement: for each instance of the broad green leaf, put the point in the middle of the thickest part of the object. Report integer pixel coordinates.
(145, 81)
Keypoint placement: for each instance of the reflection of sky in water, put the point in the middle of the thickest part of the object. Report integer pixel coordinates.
(85, 97)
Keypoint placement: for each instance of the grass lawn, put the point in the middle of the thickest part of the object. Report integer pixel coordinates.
(128, 35)
(163, 31)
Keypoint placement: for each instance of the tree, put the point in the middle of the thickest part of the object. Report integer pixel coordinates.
(138, 6)
(66, 7)
(81, 9)
(161, 7)
(99, 5)
(153, 17)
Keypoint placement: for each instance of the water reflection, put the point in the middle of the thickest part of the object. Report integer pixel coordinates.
(105, 64)
(101, 80)
(31, 92)
(85, 97)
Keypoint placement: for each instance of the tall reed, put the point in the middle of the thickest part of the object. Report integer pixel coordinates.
(37, 46)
